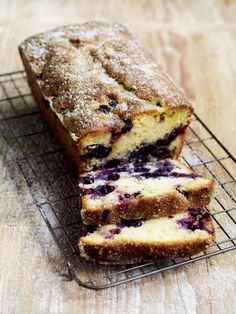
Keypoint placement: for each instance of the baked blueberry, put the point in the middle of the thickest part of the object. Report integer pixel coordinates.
(104, 109)
(161, 152)
(165, 166)
(112, 163)
(188, 223)
(139, 168)
(96, 151)
(195, 212)
(87, 180)
(113, 103)
(184, 175)
(102, 190)
(162, 118)
(146, 150)
(85, 229)
(113, 176)
(125, 129)
(158, 104)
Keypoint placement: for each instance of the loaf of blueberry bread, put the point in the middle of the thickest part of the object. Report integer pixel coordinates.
(104, 95)
(142, 191)
(183, 234)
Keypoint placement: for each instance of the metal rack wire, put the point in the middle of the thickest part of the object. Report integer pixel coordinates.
(52, 184)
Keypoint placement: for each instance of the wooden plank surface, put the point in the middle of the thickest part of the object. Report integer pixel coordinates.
(196, 42)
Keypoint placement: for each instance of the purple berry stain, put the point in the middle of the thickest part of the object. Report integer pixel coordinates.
(126, 128)
(196, 220)
(85, 229)
(113, 176)
(165, 169)
(107, 174)
(159, 148)
(96, 151)
(100, 190)
(111, 233)
(162, 118)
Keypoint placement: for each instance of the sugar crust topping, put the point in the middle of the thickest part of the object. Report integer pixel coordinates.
(82, 67)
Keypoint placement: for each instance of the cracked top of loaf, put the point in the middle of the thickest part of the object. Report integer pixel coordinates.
(96, 76)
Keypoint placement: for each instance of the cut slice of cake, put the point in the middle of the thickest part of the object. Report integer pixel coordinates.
(183, 234)
(104, 95)
(142, 191)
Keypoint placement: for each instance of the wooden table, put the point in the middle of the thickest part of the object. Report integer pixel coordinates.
(196, 42)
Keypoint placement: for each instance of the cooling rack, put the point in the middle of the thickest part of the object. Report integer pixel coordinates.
(52, 184)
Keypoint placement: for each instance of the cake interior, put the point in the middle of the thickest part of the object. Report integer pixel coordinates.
(152, 136)
(184, 227)
(106, 188)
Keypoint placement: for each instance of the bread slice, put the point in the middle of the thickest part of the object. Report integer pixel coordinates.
(142, 191)
(106, 98)
(183, 234)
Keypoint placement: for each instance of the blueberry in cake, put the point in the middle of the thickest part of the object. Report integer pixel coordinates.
(106, 98)
(179, 235)
(142, 191)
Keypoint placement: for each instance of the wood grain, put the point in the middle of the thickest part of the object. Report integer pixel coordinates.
(196, 42)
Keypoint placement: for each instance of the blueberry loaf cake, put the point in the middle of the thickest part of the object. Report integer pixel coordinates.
(183, 234)
(104, 95)
(142, 191)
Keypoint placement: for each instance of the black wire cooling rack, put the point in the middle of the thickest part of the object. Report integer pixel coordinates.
(54, 190)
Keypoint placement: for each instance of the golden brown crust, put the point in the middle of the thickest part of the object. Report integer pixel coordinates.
(129, 253)
(144, 208)
(82, 67)
(202, 197)
(181, 144)
(61, 133)
(149, 207)
(134, 67)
